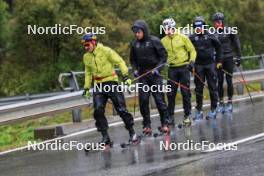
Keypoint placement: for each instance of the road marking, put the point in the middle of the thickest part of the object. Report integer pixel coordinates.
(115, 124)
(228, 145)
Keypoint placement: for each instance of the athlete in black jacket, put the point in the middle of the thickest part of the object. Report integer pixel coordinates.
(147, 52)
(228, 42)
(206, 46)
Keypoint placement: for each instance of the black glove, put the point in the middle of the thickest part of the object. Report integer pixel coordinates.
(190, 66)
(238, 61)
(155, 72)
(136, 74)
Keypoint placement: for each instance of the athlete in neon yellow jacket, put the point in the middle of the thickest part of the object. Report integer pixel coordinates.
(100, 62)
(180, 49)
(100, 65)
(181, 57)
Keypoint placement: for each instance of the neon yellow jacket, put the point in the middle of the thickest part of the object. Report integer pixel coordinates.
(100, 65)
(180, 50)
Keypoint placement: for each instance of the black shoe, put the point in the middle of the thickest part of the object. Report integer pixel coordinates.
(106, 139)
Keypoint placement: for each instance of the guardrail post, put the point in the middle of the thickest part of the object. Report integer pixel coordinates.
(262, 66)
(27, 96)
(261, 61)
(76, 113)
(240, 89)
(262, 85)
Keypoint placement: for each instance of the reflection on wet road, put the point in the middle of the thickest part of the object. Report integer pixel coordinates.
(148, 159)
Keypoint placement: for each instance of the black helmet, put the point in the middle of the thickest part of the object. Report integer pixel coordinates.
(198, 21)
(199, 18)
(218, 16)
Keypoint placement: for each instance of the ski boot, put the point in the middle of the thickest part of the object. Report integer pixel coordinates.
(186, 121)
(106, 140)
(211, 114)
(147, 131)
(198, 115)
(220, 108)
(229, 107)
(134, 139)
(164, 129)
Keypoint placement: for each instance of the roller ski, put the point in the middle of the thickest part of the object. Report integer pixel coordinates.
(198, 115)
(134, 140)
(220, 108)
(211, 115)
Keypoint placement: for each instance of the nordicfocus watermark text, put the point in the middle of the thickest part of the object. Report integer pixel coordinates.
(188, 29)
(190, 145)
(58, 145)
(59, 29)
(133, 88)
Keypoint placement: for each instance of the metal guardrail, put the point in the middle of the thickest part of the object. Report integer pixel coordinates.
(37, 108)
(28, 97)
(74, 85)
(73, 100)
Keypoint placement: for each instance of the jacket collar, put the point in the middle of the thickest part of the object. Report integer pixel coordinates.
(97, 49)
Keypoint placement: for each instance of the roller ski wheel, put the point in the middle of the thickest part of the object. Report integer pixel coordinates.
(133, 141)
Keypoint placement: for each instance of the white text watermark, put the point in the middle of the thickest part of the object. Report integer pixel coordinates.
(190, 145)
(59, 29)
(188, 29)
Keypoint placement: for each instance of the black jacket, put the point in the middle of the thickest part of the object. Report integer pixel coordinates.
(228, 42)
(208, 48)
(147, 53)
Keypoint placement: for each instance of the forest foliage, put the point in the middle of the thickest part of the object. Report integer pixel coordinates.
(32, 63)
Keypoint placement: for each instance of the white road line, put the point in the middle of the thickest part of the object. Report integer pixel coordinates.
(228, 145)
(111, 124)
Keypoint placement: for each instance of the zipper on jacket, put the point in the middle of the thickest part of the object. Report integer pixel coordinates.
(171, 45)
(95, 62)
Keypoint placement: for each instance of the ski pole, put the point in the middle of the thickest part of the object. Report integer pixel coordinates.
(144, 74)
(242, 76)
(184, 87)
(135, 103)
(243, 82)
(199, 78)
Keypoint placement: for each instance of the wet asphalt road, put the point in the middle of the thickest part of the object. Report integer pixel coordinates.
(148, 159)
